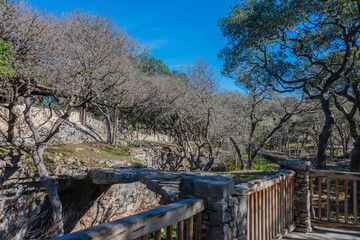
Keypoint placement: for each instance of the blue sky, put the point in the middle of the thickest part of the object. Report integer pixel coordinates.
(177, 32)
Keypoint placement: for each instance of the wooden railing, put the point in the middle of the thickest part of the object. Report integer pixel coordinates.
(169, 220)
(338, 211)
(270, 206)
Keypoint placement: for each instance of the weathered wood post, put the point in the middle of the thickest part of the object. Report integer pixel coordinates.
(226, 211)
(302, 201)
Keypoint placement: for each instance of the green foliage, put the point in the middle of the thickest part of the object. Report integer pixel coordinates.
(270, 40)
(6, 56)
(259, 164)
(264, 163)
(152, 66)
(250, 175)
(2, 150)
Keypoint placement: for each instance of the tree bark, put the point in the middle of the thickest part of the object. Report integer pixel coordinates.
(355, 156)
(115, 127)
(51, 189)
(108, 124)
(325, 133)
(242, 163)
(83, 114)
(11, 122)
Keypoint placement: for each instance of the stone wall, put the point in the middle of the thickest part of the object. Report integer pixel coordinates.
(25, 209)
(71, 131)
(225, 215)
(112, 202)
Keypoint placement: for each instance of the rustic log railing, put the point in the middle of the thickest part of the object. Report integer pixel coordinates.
(179, 216)
(270, 206)
(340, 211)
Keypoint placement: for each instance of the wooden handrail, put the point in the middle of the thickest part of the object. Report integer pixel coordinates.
(138, 225)
(264, 183)
(335, 174)
(270, 206)
(341, 182)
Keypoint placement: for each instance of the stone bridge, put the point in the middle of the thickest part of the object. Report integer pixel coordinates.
(164, 183)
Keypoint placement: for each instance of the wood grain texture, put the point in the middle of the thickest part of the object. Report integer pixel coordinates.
(169, 232)
(198, 226)
(319, 199)
(346, 199)
(158, 235)
(190, 228)
(261, 184)
(138, 225)
(337, 198)
(355, 201)
(335, 174)
(328, 198)
(180, 230)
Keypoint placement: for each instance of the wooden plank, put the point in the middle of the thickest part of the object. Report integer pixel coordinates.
(278, 230)
(263, 211)
(289, 201)
(190, 228)
(248, 218)
(311, 198)
(180, 230)
(282, 206)
(253, 212)
(292, 197)
(285, 204)
(273, 212)
(158, 235)
(328, 198)
(261, 184)
(169, 232)
(259, 224)
(335, 174)
(145, 237)
(270, 212)
(346, 199)
(286, 201)
(138, 225)
(337, 198)
(355, 202)
(198, 226)
(267, 204)
(319, 198)
(256, 225)
(261, 215)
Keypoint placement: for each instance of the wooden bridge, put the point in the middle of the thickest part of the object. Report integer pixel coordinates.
(270, 208)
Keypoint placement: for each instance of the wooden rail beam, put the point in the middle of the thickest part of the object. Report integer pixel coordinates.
(138, 225)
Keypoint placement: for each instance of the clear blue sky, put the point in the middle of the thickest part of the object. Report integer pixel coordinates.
(177, 32)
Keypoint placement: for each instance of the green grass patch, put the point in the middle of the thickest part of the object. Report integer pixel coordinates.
(250, 175)
(94, 151)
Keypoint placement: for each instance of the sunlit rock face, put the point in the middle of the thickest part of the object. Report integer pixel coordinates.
(25, 211)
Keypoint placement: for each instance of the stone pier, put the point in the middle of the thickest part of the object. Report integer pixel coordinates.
(302, 202)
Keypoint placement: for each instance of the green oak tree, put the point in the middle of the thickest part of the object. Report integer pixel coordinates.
(291, 45)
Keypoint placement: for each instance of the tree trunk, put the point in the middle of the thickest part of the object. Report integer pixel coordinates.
(355, 156)
(325, 133)
(250, 160)
(242, 162)
(51, 189)
(11, 122)
(83, 114)
(115, 127)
